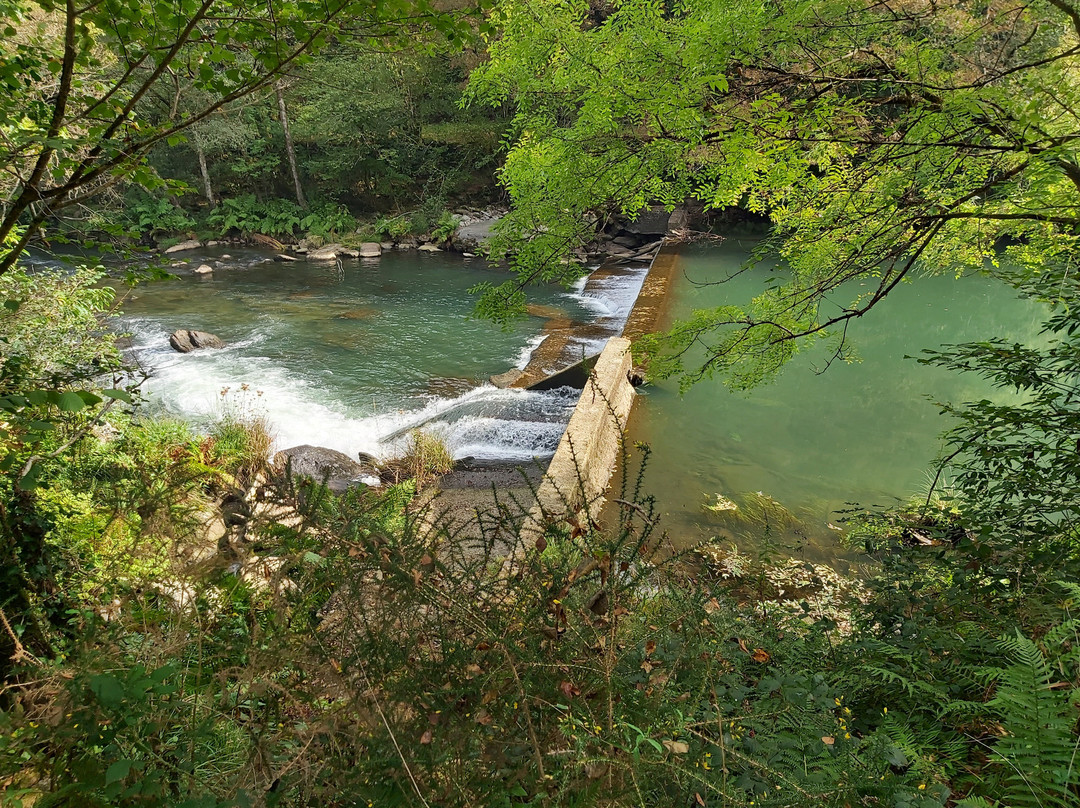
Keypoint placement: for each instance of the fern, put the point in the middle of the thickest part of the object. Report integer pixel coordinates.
(1037, 753)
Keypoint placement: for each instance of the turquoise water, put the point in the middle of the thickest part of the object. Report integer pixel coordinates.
(347, 357)
(857, 433)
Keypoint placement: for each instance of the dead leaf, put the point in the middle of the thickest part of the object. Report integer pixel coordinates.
(483, 646)
(472, 671)
(598, 603)
(677, 747)
(416, 576)
(433, 719)
(828, 740)
(594, 771)
(650, 646)
(760, 655)
(569, 690)
(711, 605)
(541, 544)
(425, 739)
(699, 800)
(742, 645)
(647, 667)
(484, 718)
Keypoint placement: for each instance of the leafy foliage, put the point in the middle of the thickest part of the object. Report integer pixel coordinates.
(879, 142)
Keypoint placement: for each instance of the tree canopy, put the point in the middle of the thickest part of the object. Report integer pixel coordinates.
(880, 139)
(75, 76)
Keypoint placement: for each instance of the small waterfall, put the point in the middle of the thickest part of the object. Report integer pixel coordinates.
(308, 401)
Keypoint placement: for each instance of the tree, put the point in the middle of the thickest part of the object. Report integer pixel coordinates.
(77, 74)
(880, 139)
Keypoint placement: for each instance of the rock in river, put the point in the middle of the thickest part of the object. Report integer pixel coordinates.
(186, 341)
(327, 253)
(183, 246)
(317, 461)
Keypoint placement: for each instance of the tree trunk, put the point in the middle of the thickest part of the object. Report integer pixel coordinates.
(208, 189)
(289, 146)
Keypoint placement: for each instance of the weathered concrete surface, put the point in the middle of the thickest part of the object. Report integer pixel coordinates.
(651, 310)
(581, 468)
(577, 376)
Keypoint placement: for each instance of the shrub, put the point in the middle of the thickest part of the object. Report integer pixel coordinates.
(426, 457)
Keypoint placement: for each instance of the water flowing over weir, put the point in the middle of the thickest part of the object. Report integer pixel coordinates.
(354, 362)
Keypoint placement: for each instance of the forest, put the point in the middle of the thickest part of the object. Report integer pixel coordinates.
(185, 621)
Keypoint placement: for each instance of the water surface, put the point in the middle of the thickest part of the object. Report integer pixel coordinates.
(349, 356)
(865, 432)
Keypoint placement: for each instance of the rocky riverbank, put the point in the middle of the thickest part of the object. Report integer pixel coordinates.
(467, 232)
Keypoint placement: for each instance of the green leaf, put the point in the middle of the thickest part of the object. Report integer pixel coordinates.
(108, 689)
(29, 481)
(70, 402)
(118, 771)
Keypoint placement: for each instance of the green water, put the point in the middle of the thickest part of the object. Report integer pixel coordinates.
(858, 433)
(344, 356)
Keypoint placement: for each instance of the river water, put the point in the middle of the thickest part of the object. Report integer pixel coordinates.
(814, 442)
(351, 357)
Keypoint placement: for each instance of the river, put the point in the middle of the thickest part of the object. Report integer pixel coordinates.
(815, 441)
(349, 357)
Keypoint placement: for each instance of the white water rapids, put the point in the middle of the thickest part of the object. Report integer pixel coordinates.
(304, 403)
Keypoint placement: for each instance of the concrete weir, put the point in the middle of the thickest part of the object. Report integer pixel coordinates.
(585, 458)
(583, 464)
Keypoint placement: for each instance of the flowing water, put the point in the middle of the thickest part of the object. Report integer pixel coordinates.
(813, 441)
(352, 357)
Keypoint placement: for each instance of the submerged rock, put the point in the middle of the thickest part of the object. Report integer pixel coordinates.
(342, 471)
(186, 341)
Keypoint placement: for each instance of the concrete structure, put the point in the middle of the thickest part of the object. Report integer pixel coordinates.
(583, 463)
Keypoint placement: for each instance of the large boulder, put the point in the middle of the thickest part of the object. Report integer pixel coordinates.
(471, 237)
(652, 222)
(370, 249)
(186, 341)
(341, 471)
(203, 269)
(191, 244)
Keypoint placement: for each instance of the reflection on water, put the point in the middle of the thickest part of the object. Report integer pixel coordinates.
(865, 432)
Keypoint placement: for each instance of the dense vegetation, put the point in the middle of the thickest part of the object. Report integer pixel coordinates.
(182, 624)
